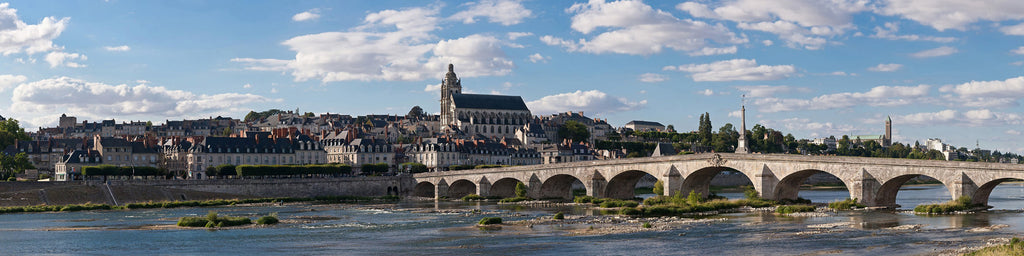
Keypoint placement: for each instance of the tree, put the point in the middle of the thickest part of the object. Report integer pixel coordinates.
(704, 129)
(416, 111)
(659, 188)
(11, 131)
(11, 165)
(574, 131)
(520, 189)
(670, 128)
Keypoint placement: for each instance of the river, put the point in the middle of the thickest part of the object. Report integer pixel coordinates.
(410, 228)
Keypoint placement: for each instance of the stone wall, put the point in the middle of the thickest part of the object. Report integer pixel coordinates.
(130, 191)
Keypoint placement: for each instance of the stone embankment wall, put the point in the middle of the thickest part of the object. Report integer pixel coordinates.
(130, 191)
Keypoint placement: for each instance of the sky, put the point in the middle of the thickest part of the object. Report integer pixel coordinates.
(944, 69)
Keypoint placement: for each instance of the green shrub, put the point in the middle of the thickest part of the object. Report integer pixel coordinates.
(514, 199)
(694, 198)
(268, 220)
(1015, 247)
(559, 216)
(192, 222)
(630, 211)
(490, 220)
(750, 193)
(583, 199)
(845, 204)
(472, 197)
(787, 209)
(647, 225)
(960, 204)
(614, 203)
(520, 189)
(659, 188)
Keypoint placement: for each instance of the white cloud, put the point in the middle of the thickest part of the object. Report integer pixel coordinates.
(632, 27)
(505, 12)
(652, 78)
(762, 91)
(311, 14)
(735, 70)
(941, 51)
(517, 35)
(409, 53)
(890, 67)
(1017, 63)
(891, 32)
(432, 88)
(1015, 30)
(709, 51)
(804, 124)
(801, 23)
(1013, 87)
(707, 92)
(1012, 132)
(885, 96)
(944, 116)
(8, 81)
(536, 57)
(16, 36)
(954, 14)
(1019, 50)
(65, 59)
(767, 42)
(593, 101)
(247, 86)
(42, 100)
(839, 73)
(123, 48)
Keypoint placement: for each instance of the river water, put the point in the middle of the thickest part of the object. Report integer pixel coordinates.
(411, 228)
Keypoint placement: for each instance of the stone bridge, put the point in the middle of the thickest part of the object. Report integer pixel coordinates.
(872, 181)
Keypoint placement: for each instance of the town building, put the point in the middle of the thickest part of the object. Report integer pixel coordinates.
(491, 116)
(645, 126)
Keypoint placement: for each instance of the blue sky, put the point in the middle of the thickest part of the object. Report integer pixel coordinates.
(941, 68)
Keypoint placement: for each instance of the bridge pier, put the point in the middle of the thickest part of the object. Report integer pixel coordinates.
(865, 188)
(533, 186)
(964, 186)
(484, 187)
(441, 190)
(596, 186)
(765, 183)
(672, 182)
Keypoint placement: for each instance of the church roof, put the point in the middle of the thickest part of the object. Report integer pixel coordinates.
(484, 101)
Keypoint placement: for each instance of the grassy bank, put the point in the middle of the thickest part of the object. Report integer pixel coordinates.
(1015, 247)
(176, 204)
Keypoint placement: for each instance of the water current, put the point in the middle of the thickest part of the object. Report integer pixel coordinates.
(417, 228)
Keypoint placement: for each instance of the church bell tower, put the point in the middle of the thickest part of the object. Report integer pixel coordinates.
(450, 85)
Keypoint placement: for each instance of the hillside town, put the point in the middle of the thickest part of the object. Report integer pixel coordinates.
(472, 130)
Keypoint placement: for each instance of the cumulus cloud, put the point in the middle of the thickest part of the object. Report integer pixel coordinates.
(536, 57)
(8, 81)
(432, 88)
(890, 67)
(877, 96)
(941, 51)
(123, 48)
(247, 86)
(1015, 30)
(42, 100)
(391, 45)
(891, 31)
(16, 36)
(997, 93)
(735, 70)
(801, 23)
(944, 116)
(815, 128)
(953, 14)
(517, 35)
(593, 101)
(761, 91)
(1019, 50)
(632, 27)
(707, 92)
(311, 14)
(976, 117)
(57, 59)
(652, 78)
(505, 12)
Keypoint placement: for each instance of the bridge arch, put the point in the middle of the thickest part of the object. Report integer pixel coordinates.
(559, 186)
(789, 186)
(985, 190)
(424, 189)
(623, 185)
(886, 194)
(461, 188)
(505, 187)
(699, 181)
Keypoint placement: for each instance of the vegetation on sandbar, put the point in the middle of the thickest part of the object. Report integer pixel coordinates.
(960, 204)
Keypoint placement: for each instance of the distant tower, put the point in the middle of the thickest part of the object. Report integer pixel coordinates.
(451, 85)
(741, 144)
(887, 141)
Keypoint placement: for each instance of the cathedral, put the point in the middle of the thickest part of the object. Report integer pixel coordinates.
(474, 115)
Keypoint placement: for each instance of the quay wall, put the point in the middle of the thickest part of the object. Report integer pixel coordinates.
(120, 192)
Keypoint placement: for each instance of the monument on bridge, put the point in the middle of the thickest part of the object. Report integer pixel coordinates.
(741, 144)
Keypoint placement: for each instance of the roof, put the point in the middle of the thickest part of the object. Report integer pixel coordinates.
(483, 101)
(638, 122)
(664, 149)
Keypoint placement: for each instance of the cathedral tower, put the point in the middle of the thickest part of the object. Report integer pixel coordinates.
(887, 140)
(450, 85)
